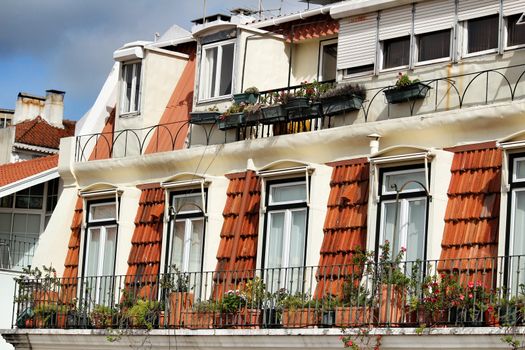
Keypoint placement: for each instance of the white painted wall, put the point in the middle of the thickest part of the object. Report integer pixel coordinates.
(6, 303)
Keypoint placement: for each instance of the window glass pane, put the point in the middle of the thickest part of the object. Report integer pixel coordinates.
(6, 202)
(288, 193)
(102, 212)
(137, 87)
(37, 190)
(26, 223)
(369, 68)
(210, 69)
(93, 247)
(225, 87)
(33, 223)
(388, 222)
(416, 229)
(396, 52)
(197, 241)
(516, 32)
(177, 247)
(483, 33)
(188, 203)
(275, 240)
(391, 181)
(519, 169)
(434, 45)
(109, 251)
(328, 70)
(127, 79)
(297, 238)
(518, 240)
(5, 223)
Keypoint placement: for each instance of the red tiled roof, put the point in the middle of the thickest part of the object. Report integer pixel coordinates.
(472, 215)
(345, 224)
(38, 132)
(313, 30)
(104, 145)
(69, 287)
(13, 172)
(238, 246)
(146, 243)
(172, 134)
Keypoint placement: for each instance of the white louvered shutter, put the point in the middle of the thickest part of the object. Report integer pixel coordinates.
(357, 41)
(512, 7)
(395, 22)
(431, 16)
(468, 9)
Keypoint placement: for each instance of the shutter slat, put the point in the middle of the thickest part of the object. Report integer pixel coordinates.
(469, 9)
(434, 15)
(357, 41)
(512, 7)
(395, 23)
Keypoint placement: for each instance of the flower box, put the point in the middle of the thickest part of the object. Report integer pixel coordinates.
(246, 98)
(244, 318)
(273, 114)
(300, 318)
(232, 121)
(204, 117)
(354, 316)
(407, 93)
(341, 104)
(197, 320)
(179, 302)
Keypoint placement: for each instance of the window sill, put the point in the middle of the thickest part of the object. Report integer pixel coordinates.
(514, 47)
(393, 69)
(223, 98)
(480, 53)
(434, 61)
(129, 114)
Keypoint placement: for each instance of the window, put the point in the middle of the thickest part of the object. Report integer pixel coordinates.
(100, 250)
(516, 239)
(515, 32)
(130, 100)
(396, 52)
(286, 220)
(434, 45)
(217, 70)
(187, 232)
(411, 210)
(328, 60)
(361, 70)
(482, 33)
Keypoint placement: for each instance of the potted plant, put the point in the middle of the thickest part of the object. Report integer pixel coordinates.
(299, 311)
(200, 316)
(102, 316)
(205, 117)
(249, 96)
(474, 301)
(328, 305)
(342, 99)
(180, 297)
(231, 310)
(275, 111)
(232, 118)
(253, 114)
(144, 314)
(406, 89)
(50, 315)
(510, 308)
(355, 309)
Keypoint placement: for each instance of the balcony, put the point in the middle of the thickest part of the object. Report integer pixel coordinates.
(446, 293)
(16, 251)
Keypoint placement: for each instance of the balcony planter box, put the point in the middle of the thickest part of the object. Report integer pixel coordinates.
(341, 104)
(198, 320)
(232, 121)
(273, 114)
(411, 92)
(300, 318)
(298, 108)
(391, 307)
(179, 302)
(245, 98)
(61, 320)
(300, 114)
(203, 117)
(251, 119)
(352, 316)
(245, 318)
(510, 315)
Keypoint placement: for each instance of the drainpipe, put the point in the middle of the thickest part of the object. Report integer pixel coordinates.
(374, 143)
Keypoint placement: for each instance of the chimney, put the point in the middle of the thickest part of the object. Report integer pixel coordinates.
(28, 107)
(54, 108)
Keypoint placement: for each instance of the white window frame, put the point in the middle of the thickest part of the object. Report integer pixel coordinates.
(103, 204)
(286, 184)
(103, 238)
(515, 162)
(506, 35)
(436, 60)
(132, 109)
(464, 40)
(215, 96)
(382, 54)
(388, 191)
(321, 50)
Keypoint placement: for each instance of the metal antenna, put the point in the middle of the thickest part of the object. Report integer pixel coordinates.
(204, 12)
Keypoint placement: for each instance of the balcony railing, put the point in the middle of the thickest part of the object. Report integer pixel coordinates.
(444, 94)
(463, 292)
(16, 251)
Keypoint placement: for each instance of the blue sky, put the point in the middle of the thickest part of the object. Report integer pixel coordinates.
(68, 44)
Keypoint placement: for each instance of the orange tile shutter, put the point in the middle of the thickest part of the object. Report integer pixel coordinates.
(70, 277)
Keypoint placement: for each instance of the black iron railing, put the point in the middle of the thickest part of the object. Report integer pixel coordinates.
(441, 94)
(16, 251)
(463, 292)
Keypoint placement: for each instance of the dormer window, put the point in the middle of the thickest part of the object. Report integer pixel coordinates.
(216, 74)
(130, 88)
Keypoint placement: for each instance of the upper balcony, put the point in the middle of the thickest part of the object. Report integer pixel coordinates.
(431, 97)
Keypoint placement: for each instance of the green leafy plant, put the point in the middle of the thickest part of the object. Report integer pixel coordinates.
(234, 108)
(213, 108)
(404, 80)
(389, 269)
(255, 292)
(102, 315)
(251, 90)
(144, 313)
(206, 306)
(344, 90)
(232, 301)
(297, 301)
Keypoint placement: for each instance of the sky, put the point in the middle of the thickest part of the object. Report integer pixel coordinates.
(68, 44)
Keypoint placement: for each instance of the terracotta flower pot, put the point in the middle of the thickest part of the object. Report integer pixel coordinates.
(197, 320)
(300, 318)
(244, 318)
(391, 304)
(179, 302)
(352, 316)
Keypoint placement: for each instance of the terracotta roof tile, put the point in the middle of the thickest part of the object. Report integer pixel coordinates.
(472, 215)
(146, 243)
(104, 146)
(173, 129)
(238, 245)
(310, 30)
(13, 172)
(38, 132)
(345, 224)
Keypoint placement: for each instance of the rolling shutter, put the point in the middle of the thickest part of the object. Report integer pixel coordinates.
(395, 23)
(469, 9)
(432, 16)
(357, 41)
(512, 7)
